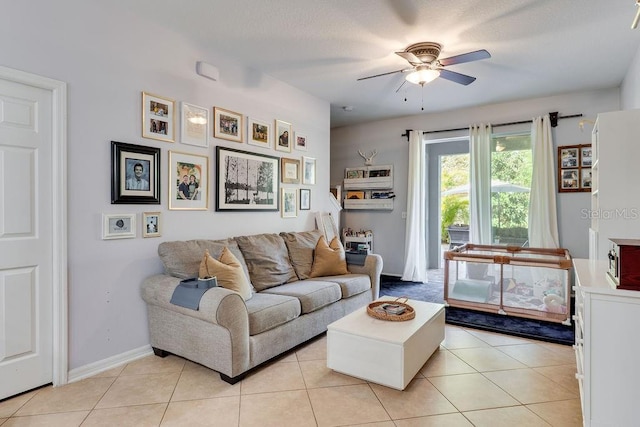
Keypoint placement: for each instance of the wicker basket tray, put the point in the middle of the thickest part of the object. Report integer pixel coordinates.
(374, 310)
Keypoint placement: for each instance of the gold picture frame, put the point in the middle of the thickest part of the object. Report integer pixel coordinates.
(188, 181)
(228, 125)
(284, 137)
(290, 170)
(151, 224)
(258, 133)
(158, 117)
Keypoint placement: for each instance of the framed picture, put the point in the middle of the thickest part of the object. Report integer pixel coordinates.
(158, 121)
(188, 181)
(353, 174)
(283, 136)
(227, 124)
(151, 224)
(355, 195)
(289, 208)
(135, 174)
(246, 181)
(121, 226)
(258, 133)
(290, 171)
(308, 170)
(301, 142)
(305, 199)
(194, 125)
(574, 168)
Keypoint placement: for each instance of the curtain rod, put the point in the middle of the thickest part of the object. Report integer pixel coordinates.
(552, 116)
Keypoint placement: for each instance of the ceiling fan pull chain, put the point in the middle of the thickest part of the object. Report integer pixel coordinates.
(422, 97)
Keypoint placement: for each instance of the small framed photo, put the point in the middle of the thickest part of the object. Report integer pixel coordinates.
(121, 226)
(308, 170)
(135, 174)
(283, 136)
(570, 179)
(586, 157)
(305, 199)
(585, 178)
(246, 181)
(151, 224)
(354, 174)
(194, 125)
(290, 170)
(158, 121)
(227, 125)
(289, 208)
(258, 133)
(569, 157)
(359, 195)
(301, 142)
(188, 181)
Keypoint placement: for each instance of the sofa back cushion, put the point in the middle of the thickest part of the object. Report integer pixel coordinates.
(267, 259)
(301, 246)
(182, 258)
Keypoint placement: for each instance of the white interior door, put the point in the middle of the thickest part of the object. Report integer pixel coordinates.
(26, 227)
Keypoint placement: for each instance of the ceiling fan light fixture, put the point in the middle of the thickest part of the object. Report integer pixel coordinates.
(422, 75)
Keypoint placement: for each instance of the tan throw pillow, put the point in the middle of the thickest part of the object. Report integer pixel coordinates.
(329, 260)
(228, 271)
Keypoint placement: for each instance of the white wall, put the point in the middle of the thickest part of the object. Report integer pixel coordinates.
(384, 136)
(108, 58)
(630, 89)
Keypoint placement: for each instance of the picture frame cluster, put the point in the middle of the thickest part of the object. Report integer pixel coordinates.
(136, 176)
(574, 168)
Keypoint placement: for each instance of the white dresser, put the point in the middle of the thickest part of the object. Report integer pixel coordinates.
(607, 323)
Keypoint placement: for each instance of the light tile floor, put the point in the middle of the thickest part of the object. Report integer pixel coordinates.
(475, 379)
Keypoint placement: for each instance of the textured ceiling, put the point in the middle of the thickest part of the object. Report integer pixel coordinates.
(538, 47)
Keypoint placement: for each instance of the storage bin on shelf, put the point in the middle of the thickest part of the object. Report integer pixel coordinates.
(524, 282)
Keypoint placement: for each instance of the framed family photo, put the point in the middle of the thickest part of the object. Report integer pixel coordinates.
(290, 170)
(308, 170)
(305, 199)
(151, 224)
(188, 181)
(259, 133)
(158, 121)
(227, 124)
(289, 207)
(122, 226)
(574, 168)
(246, 181)
(135, 174)
(301, 142)
(194, 125)
(283, 136)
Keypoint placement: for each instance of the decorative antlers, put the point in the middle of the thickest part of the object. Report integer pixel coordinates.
(368, 161)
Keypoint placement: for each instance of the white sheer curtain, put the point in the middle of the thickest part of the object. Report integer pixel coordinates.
(543, 218)
(480, 184)
(415, 251)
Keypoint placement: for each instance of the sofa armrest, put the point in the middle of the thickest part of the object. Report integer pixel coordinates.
(373, 268)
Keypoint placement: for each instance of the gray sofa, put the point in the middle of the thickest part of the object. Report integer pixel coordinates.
(287, 307)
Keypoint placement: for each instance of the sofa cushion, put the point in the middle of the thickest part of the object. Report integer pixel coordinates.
(301, 246)
(182, 258)
(267, 259)
(267, 311)
(313, 294)
(350, 284)
(228, 271)
(329, 260)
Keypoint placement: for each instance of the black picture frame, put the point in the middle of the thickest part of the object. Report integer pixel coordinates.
(246, 181)
(126, 187)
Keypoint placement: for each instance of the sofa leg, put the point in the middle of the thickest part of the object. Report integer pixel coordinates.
(232, 380)
(159, 352)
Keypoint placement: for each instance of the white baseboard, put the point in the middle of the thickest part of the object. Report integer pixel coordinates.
(94, 368)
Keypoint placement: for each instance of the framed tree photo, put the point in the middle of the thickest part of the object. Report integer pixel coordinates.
(283, 136)
(158, 121)
(135, 174)
(194, 125)
(188, 181)
(227, 124)
(246, 181)
(259, 133)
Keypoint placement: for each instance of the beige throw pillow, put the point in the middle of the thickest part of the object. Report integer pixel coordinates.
(329, 260)
(228, 271)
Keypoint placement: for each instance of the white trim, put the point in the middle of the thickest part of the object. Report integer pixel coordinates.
(95, 368)
(59, 236)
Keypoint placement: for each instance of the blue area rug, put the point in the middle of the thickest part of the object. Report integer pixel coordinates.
(510, 325)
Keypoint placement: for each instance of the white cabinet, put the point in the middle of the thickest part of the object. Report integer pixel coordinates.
(368, 187)
(615, 174)
(607, 347)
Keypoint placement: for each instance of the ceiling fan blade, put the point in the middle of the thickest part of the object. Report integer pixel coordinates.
(463, 79)
(383, 74)
(465, 57)
(409, 57)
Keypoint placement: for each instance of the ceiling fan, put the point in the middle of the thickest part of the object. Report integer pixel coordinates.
(426, 67)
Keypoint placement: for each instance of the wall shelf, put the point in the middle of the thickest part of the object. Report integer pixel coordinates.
(368, 187)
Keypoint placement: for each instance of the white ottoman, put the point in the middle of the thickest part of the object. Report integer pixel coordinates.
(385, 352)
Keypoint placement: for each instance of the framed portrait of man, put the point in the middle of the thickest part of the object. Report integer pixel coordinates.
(135, 174)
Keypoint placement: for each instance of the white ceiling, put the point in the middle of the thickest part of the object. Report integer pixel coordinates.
(538, 47)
